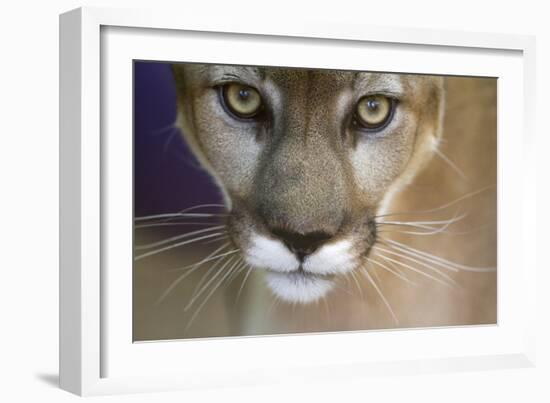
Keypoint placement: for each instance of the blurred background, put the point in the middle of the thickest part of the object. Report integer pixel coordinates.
(164, 167)
(170, 302)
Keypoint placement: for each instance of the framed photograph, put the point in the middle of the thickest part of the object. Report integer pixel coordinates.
(245, 206)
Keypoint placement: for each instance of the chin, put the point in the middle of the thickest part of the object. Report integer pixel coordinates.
(305, 280)
(299, 286)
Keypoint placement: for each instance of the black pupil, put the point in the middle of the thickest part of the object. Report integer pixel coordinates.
(244, 94)
(372, 104)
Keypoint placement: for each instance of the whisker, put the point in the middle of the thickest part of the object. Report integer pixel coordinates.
(192, 268)
(177, 215)
(420, 233)
(177, 237)
(274, 303)
(208, 259)
(185, 213)
(346, 277)
(243, 283)
(420, 263)
(424, 233)
(427, 223)
(177, 245)
(237, 271)
(170, 224)
(213, 240)
(205, 286)
(201, 206)
(206, 275)
(344, 289)
(357, 283)
(168, 128)
(399, 275)
(436, 259)
(436, 231)
(203, 303)
(438, 280)
(449, 162)
(442, 207)
(395, 268)
(171, 135)
(381, 294)
(375, 275)
(398, 224)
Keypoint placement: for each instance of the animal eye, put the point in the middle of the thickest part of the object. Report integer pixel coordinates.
(242, 101)
(374, 112)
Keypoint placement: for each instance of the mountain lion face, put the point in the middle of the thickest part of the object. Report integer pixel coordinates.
(306, 160)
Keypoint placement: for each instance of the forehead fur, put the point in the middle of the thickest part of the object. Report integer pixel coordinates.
(306, 157)
(288, 77)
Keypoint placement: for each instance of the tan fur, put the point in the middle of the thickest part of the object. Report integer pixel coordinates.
(308, 171)
(305, 170)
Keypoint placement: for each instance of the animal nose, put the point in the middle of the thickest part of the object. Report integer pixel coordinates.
(302, 244)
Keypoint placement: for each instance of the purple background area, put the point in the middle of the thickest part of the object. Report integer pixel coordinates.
(167, 177)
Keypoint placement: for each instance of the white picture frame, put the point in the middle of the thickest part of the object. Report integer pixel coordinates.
(96, 355)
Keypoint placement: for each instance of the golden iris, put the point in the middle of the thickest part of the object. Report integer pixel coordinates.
(374, 111)
(241, 100)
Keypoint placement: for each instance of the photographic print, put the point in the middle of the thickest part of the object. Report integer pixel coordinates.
(273, 200)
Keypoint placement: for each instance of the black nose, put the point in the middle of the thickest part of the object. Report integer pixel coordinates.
(302, 244)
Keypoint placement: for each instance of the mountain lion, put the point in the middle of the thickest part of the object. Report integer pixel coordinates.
(351, 200)
(308, 161)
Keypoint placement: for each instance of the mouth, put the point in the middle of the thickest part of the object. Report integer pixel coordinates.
(300, 273)
(296, 280)
(299, 285)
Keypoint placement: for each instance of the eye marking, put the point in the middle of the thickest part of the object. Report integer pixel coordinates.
(241, 101)
(374, 112)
